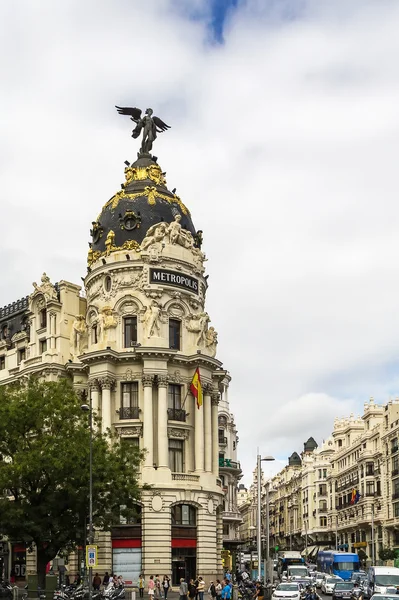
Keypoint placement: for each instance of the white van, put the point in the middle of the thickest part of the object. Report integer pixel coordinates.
(381, 578)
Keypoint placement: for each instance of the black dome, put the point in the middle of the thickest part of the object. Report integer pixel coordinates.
(294, 460)
(143, 201)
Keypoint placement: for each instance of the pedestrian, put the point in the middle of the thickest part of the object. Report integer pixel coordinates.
(259, 592)
(200, 588)
(120, 581)
(141, 585)
(228, 576)
(151, 586)
(96, 582)
(78, 579)
(106, 579)
(218, 588)
(196, 581)
(165, 586)
(158, 593)
(212, 590)
(226, 590)
(183, 589)
(192, 589)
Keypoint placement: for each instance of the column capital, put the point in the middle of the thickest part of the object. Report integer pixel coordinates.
(106, 383)
(215, 398)
(208, 389)
(147, 380)
(94, 385)
(162, 380)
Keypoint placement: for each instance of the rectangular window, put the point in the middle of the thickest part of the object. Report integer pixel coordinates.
(129, 400)
(130, 331)
(176, 455)
(94, 338)
(21, 355)
(2, 362)
(396, 509)
(323, 521)
(174, 334)
(324, 473)
(175, 410)
(43, 346)
(369, 468)
(43, 318)
(222, 437)
(395, 465)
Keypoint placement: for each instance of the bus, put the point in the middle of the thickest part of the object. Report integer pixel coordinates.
(286, 559)
(338, 563)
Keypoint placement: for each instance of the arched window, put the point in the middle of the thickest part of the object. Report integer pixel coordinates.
(184, 514)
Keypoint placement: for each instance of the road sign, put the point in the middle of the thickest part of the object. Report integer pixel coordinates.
(91, 556)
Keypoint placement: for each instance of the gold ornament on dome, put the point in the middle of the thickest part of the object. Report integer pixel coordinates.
(152, 172)
(152, 195)
(128, 245)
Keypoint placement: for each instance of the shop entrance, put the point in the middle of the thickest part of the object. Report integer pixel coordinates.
(184, 562)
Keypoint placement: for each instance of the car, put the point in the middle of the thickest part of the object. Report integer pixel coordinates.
(288, 589)
(358, 575)
(328, 583)
(318, 578)
(342, 590)
(390, 596)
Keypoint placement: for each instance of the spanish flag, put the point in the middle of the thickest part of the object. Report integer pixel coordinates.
(196, 387)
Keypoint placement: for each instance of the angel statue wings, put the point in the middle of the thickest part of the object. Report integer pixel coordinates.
(148, 124)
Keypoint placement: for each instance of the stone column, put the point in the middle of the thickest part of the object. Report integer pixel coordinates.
(199, 437)
(148, 426)
(208, 429)
(95, 395)
(215, 434)
(107, 384)
(163, 458)
(51, 317)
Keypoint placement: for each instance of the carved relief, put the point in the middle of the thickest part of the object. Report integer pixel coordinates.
(174, 432)
(211, 340)
(78, 338)
(147, 380)
(106, 324)
(176, 377)
(136, 431)
(109, 242)
(162, 380)
(106, 382)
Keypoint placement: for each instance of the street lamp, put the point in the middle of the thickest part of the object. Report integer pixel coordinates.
(259, 522)
(89, 408)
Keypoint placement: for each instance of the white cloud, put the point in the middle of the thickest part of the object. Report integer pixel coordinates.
(284, 145)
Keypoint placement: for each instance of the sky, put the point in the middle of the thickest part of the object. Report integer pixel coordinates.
(284, 144)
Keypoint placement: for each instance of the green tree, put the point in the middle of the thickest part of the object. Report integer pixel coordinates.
(44, 470)
(387, 554)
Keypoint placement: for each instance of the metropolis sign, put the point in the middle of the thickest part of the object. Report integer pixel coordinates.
(173, 278)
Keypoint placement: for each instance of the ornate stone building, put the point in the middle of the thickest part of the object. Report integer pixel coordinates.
(132, 340)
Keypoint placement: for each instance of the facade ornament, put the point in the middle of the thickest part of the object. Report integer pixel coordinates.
(211, 340)
(174, 432)
(203, 321)
(46, 288)
(147, 380)
(130, 220)
(153, 319)
(107, 382)
(153, 172)
(208, 389)
(109, 242)
(152, 195)
(136, 431)
(162, 380)
(176, 377)
(149, 125)
(78, 338)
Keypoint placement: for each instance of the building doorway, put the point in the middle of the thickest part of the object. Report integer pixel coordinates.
(184, 564)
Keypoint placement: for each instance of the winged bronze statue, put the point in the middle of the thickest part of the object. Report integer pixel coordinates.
(148, 124)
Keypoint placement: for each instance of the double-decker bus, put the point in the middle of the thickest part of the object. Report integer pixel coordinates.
(338, 563)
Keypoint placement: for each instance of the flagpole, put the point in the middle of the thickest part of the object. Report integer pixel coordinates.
(185, 398)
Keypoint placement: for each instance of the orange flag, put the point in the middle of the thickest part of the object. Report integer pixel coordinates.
(196, 387)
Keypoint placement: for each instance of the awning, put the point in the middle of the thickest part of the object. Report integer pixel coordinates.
(309, 550)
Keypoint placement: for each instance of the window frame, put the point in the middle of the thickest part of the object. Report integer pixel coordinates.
(131, 342)
(181, 521)
(130, 409)
(174, 334)
(176, 455)
(43, 318)
(43, 345)
(2, 362)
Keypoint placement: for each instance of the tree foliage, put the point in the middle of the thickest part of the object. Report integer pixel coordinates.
(387, 554)
(44, 469)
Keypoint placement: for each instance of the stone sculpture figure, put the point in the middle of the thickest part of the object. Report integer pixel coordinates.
(148, 124)
(153, 318)
(156, 233)
(78, 335)
(105, 321)
(211, 340)
(46, 288)
(174, 230)
(203, 321)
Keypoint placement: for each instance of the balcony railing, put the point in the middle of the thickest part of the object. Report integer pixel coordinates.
(185, 477)
(323, 510)
(129, 412)
(323, 493)
(395, 472)
(394, 448)
(177, 414)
